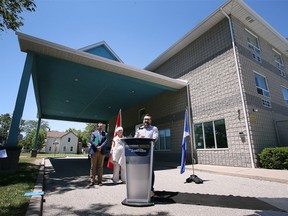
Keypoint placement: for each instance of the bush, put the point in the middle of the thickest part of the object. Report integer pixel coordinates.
(274, 158)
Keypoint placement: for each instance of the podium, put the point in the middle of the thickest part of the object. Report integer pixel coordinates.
(139, 162)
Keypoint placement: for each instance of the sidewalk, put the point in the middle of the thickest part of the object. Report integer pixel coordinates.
(224, 191)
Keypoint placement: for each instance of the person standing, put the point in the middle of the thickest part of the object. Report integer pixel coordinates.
(98, 142)
(148, 131)
(118, 156)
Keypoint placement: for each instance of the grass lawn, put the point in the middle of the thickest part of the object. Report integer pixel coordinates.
(13, 186)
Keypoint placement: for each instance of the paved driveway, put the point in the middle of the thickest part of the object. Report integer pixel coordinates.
(66, 193)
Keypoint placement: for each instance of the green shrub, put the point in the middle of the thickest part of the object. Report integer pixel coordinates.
(274, 158)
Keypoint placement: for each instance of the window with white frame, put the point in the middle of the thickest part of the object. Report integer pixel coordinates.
(279, 62)
(210, 135)
(277, 57)
(261, 84)
(253, 42)
(163, 142)
(285, 94)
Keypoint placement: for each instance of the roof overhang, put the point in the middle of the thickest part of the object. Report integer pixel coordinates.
(239, 10)
(73, 85)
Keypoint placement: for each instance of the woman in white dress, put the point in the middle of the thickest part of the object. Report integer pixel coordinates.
(118, 156)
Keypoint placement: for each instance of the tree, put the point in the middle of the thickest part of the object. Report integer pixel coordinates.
(28, 142)
(10, 11)
(30, 125)
(5, 121)
(90, 127)
(41, 139)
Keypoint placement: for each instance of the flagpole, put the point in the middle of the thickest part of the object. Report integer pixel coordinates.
(120, 117)
(190, 125)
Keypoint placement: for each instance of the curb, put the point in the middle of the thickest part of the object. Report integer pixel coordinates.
(35, 207)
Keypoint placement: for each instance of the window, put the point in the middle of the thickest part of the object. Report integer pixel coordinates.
(261, 84)
(198, 130)
(210, 135)
(285, 94)
(279, 62)
(277, 57)
(256, 57)
(49, 148)
(64, 148)
(220, 132)
(69, 139)
(163, 143)
(282, 73)
(266, 103)
(253, 42)
(71, 148)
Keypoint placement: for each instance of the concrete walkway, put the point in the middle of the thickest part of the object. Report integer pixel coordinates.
(225, 191)
(280, 176)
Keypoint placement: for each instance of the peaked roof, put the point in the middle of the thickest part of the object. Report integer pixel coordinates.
(102, 44)
(55, 134)
(58, 134)
(238, 9)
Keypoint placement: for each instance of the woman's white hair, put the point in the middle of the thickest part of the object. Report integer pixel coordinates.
(119, 128)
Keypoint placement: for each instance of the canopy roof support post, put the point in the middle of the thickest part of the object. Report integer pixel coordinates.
(20, 102)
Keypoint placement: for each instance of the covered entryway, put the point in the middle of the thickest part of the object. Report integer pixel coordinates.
(78, 86)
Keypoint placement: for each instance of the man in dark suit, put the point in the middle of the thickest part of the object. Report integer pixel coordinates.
(98, 141)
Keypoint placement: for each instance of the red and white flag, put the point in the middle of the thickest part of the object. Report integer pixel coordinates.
(110, 165)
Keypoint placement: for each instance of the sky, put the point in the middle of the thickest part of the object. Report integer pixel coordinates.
(138, 31)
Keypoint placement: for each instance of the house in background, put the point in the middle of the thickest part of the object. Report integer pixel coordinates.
(61, 142)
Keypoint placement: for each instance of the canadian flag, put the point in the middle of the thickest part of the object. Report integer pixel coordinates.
(110, 165)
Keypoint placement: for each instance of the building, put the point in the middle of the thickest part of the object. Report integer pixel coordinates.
(61, 142)
(230, 70)
(236, 66)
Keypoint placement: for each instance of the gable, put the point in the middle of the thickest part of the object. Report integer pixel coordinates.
(70, 134)
(103, 50)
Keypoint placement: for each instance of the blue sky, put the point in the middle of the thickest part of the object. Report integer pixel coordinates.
(138, 31)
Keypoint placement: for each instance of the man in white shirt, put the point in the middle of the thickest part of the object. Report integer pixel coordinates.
(148, 131)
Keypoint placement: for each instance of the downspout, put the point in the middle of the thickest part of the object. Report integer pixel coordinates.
(241, 90)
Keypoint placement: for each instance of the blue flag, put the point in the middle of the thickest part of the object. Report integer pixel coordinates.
(184, 147)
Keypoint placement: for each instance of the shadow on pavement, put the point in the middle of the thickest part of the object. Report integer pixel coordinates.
(66, 174)
(169, 197)
(100, 209)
